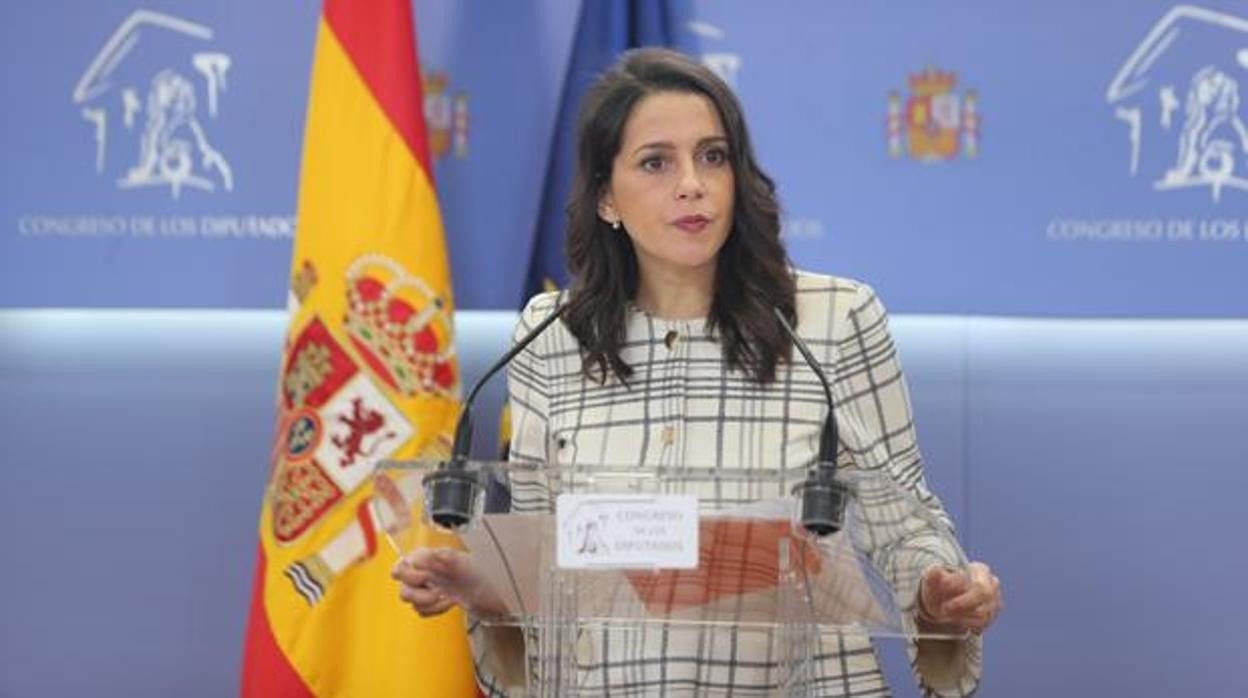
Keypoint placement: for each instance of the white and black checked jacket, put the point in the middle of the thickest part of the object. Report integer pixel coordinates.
(684, 408)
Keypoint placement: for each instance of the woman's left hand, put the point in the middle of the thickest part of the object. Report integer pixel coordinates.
(965, 600)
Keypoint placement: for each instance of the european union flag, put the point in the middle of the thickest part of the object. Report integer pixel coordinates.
(604, 30)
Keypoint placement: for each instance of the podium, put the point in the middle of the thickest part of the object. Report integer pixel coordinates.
(593, 570)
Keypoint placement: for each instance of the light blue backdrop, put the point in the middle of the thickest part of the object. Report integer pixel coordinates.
(1078, 113)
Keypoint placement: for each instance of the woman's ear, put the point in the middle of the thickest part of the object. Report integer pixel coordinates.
(606, 209)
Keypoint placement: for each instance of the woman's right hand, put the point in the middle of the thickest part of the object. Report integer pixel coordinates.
(432, 580)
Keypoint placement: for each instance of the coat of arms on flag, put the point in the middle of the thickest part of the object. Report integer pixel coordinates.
(369, 372)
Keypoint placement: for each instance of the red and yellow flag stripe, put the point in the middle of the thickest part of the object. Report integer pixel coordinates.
(368, 372)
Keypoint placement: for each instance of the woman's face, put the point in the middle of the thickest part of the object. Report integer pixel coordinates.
(671, 184)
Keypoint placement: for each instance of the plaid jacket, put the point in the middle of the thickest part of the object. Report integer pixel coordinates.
(684, 408)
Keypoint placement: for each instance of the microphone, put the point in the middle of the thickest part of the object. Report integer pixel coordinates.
(450, 491)
(823, 496)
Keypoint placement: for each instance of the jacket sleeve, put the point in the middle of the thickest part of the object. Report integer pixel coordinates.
(905, 529)
(499, 653)
(528, 395)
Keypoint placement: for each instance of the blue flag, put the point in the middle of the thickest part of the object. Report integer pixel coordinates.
(604, 30)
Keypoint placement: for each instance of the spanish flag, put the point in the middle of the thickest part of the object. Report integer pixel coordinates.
(368, 372)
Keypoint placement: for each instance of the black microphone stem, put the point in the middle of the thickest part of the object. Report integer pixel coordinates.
(451, 490)
(824, 498)
(828, 437)
(462, 444)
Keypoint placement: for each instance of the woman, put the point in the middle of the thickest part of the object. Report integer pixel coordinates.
(669, 353)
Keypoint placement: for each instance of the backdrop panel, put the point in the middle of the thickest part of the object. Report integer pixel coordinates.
(969, 156)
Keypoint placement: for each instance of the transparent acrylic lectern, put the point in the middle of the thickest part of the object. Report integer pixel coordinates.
(593, 568)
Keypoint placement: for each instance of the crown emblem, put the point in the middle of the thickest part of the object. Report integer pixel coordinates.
(932, 82)
(400, 327)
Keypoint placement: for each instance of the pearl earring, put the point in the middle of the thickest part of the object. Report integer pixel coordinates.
(615, 224)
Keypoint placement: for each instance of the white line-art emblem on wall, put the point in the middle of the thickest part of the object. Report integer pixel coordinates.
(724, 63)
(1179, 95)
(159, 114)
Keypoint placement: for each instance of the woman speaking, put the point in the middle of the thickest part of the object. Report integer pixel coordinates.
(669, 353)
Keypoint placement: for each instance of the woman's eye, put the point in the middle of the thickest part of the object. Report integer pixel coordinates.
(715, 156)
(652, 164)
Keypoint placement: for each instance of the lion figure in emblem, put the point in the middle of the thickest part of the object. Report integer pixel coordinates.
(362, 422)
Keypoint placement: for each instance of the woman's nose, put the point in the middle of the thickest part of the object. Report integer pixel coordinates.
(690, 184)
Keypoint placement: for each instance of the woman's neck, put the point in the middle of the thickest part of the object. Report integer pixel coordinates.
(682, 296)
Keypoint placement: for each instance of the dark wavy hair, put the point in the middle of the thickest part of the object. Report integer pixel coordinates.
(752, 273)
